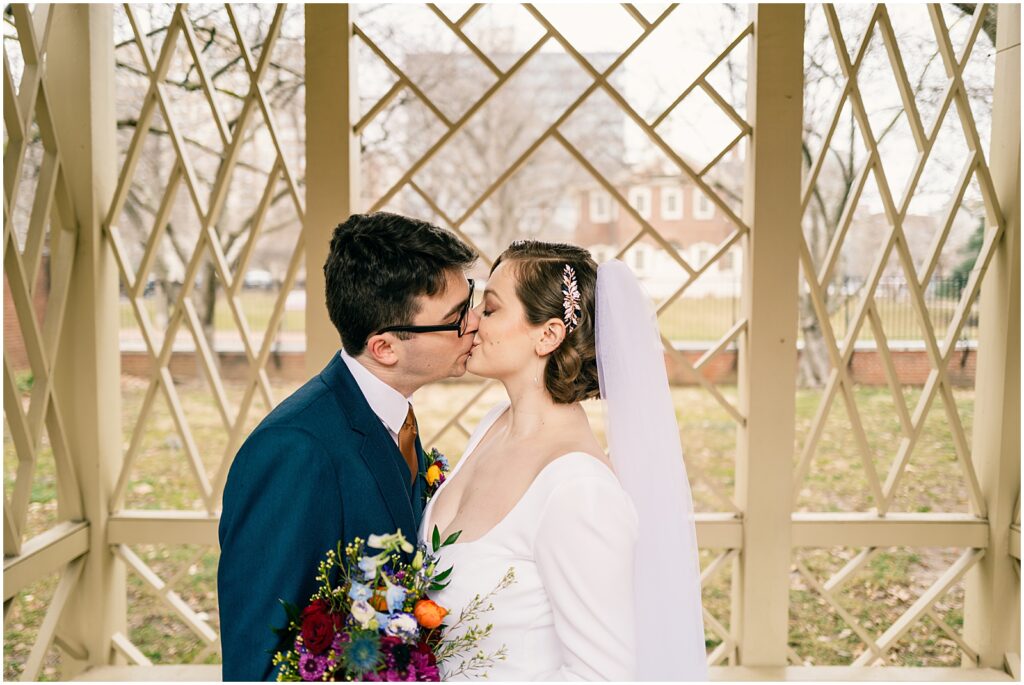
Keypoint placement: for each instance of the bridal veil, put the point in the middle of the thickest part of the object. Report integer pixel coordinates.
(643, 442)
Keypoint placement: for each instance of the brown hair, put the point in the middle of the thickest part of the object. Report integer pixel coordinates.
(570, 374)
(378, 265)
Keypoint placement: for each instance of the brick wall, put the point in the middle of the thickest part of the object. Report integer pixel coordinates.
(14, 342)
(912, 366)
(234, 367)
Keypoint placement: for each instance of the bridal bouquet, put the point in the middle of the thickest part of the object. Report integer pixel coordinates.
(378, 622)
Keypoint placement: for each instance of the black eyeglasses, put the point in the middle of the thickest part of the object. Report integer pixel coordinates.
(459, 326)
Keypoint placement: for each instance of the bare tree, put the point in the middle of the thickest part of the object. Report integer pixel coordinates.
(489, 143)
(283, 86)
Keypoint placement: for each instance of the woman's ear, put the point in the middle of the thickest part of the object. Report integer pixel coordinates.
(551, 336)
(380, 350)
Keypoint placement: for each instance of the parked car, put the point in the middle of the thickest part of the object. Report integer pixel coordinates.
(258, 279)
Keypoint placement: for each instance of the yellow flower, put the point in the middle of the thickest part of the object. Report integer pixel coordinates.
(433, 474)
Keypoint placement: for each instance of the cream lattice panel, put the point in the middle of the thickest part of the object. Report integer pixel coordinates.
(206, 203)
(207, 210)
(817, 278)
(939, 352)
(877, 648)
(49, 235)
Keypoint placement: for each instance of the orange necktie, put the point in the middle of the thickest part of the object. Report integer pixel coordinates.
(407, 443)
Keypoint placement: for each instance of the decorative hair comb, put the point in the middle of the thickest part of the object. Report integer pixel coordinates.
(571, 300)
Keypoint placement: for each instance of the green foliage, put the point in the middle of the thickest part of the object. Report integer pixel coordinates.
(25, 381)
(953, 287)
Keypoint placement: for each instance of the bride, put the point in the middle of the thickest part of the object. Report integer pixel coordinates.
(607, 579)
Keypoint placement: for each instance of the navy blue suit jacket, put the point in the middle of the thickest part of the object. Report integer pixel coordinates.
(319, 469)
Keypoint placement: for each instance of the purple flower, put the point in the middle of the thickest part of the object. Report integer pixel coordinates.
(311, 667)
(424, 664)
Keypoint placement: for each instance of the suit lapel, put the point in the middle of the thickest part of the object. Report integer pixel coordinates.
(378, 451)
(420, 482)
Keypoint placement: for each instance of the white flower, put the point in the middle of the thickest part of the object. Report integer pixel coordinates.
(395, 540)
(402, 625)
(363, 613)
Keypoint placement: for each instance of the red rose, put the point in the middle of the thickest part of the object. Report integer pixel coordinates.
(317, 606)
(389, 642)
(317, 627)
(424, 649)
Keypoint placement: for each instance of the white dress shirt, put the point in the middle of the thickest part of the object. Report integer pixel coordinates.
(387, 403)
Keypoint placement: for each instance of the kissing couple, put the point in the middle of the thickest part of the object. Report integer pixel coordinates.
(607, 577)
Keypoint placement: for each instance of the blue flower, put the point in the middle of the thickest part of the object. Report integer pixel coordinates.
(368, 565)
(395, 597)
(382, 620)
(362, 652)
(359, 592)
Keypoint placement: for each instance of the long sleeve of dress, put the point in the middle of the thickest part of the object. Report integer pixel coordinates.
(584, 550)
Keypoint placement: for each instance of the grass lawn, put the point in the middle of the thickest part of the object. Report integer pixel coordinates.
(257, 306)
(162, 479)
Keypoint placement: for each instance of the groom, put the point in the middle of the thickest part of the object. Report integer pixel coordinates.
(340, 458)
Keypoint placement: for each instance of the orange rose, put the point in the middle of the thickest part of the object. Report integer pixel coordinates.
(433, 474)
(429, 613)
(379, 601)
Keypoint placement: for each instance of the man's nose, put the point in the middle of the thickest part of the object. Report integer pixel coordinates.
(473, 319)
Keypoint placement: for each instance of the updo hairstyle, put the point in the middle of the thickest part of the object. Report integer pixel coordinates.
(570, 374)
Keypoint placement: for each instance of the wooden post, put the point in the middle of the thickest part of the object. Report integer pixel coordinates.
(332, 160)
(992, 589)
(87, 383)
(767, 372)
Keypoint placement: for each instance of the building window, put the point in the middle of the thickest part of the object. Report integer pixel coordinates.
(640, 199)
(725, 262)
(600, 207)
(671, 203)
(702, 207)
(639, 258)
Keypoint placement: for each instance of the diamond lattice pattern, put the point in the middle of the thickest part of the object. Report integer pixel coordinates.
(934, 118)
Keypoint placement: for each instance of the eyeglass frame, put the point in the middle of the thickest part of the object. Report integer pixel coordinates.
(437, 328)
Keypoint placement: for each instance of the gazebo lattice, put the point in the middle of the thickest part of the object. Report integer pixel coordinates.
(60, 93)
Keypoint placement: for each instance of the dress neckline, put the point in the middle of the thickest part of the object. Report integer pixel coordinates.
(478, 437)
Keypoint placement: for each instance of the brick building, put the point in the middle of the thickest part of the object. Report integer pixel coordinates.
(680, 212)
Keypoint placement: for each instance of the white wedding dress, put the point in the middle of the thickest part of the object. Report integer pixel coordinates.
(571, 540)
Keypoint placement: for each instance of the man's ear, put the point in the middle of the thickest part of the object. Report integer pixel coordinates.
(551, 336)
(380, 350)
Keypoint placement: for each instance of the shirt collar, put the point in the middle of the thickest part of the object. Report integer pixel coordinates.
(387, 403)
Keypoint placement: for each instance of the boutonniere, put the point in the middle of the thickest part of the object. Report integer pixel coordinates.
(437, 471)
